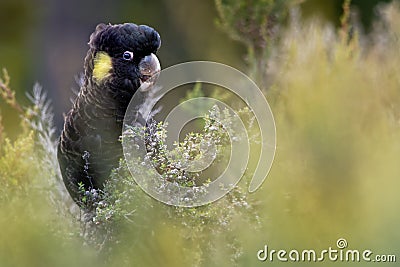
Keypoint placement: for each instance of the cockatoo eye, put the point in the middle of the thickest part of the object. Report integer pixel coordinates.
(127, 55)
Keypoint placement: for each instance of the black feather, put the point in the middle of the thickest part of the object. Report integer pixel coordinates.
(89, 146)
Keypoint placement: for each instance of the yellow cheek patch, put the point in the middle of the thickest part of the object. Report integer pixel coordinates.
(102, 66)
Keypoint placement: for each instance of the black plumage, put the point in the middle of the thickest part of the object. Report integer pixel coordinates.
(89, 146)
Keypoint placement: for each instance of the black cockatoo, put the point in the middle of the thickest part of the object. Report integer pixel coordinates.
(121, 57)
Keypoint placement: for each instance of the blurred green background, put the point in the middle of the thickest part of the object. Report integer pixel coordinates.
(337, 109)
(45, 41)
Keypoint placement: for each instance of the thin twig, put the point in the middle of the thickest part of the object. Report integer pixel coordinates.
(345, 21)
(7, 94)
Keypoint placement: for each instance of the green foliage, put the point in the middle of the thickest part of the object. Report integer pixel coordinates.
(123, 203)
(17, 166)
(18, 162)
(252, 22)
(336, 106)
(337, 112)
(256, 24)
(37, 227)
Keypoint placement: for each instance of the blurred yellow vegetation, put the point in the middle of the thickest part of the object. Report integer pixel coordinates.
(17, 163)
(336, 101)
(336, 105)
